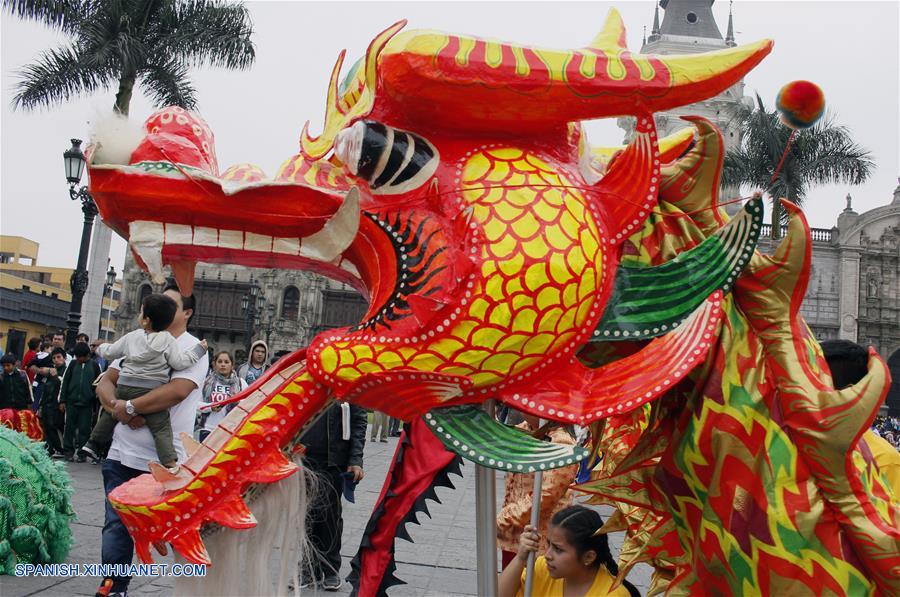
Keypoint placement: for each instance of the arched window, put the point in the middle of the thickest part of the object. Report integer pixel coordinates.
(290, 303)
(143, 291)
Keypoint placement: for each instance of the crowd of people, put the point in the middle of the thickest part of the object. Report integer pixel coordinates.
(888, 428)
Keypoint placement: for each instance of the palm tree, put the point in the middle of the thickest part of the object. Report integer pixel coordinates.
(822, 154)
(126, 42)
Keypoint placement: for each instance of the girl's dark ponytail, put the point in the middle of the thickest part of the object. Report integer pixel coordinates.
(581, 525)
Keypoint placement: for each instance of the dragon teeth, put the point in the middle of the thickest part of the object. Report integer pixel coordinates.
(146, 239)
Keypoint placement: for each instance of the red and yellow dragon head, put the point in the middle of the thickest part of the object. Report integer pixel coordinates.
(452, 186)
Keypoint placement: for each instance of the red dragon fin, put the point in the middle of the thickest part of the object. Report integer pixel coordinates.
(628, 191)
(406, 394)
(234, 514)
(190, 545)
(272, 467)
(577, 394)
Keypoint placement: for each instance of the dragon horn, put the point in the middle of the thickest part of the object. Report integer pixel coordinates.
(612, 34)
(478, 85)
(336, 115)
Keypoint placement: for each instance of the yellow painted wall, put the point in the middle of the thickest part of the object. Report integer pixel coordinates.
(13, 282)
(55, 282)
(19, 247)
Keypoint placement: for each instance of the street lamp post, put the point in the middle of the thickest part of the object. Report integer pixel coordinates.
(74, 162)
(107, 288)
(250, 307)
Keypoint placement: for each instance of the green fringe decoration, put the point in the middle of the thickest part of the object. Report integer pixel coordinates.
(35, 508)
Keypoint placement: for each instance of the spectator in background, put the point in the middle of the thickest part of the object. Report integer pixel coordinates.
(58, 340)
(77, 398)
(334, 449)
(394, 427)
(258, 363)
(849, 363)
(34, 344)
(40, 367)
(101, 362)
(221, 384)
(49, 410)
(14, 392)
(379, 426)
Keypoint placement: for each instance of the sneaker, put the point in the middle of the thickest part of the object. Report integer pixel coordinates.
(332, 583)
(104, 590)
(91, 451)
(81, 458)
(69, 457)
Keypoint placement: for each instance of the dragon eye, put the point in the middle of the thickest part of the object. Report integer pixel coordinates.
(390, 160)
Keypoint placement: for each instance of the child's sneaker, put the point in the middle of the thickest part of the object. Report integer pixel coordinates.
(91, 451)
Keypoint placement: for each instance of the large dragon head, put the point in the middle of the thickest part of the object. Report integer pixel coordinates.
(450, 186)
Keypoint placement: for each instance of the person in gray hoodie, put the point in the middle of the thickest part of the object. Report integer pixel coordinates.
(150, 354)
(258, 363)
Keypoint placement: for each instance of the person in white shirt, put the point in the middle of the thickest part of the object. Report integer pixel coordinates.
(150, 355)
(133, 449)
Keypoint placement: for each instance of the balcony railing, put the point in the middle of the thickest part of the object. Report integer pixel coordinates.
(824, 235)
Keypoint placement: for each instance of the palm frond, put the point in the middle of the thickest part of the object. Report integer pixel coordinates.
(109, 40)
(167, 84)
(57, 76)
(825, 153)
(64, 15)
(204, 33)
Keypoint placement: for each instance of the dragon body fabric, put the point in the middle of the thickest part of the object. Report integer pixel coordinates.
(503, 258)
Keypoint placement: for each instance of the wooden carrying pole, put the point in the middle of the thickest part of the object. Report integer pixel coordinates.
(535, 518)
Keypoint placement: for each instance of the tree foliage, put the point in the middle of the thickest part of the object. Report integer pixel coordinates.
(822, 154)
(122, 43)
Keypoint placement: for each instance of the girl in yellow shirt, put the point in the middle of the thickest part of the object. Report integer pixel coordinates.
(577, 562)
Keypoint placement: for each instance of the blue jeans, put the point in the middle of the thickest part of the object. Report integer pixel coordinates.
(116, 544)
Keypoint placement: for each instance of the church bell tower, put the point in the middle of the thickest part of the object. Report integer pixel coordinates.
(688, 27)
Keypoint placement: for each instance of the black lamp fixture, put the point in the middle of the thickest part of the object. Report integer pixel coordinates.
(74, 162)
(110, 282)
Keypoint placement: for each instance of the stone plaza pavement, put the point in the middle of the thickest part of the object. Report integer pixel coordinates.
(442, 561)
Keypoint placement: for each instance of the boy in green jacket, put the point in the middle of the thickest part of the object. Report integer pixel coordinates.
(77, 399)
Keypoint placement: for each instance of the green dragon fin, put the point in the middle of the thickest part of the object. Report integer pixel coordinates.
(473, 434)
(651, 301)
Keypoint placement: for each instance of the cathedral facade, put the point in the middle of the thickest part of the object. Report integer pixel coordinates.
(238, 305)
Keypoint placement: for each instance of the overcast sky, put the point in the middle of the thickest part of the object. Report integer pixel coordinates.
(849, 48)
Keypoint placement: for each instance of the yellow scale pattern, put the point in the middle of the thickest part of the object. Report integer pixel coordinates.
(541, 270)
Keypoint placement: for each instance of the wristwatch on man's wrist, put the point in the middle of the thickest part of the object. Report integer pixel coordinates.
(129, 408)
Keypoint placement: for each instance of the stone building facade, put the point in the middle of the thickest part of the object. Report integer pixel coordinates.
(854, 288)
(291, 306)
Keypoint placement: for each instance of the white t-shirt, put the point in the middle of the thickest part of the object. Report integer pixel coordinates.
(134, 447)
